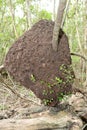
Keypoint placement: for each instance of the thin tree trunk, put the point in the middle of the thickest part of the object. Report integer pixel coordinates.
(79, 43)
(13, 18)
(77, 31)
(28, 18)
(85, 40)
(54, 6)
(66, 10)
(62, 5)
(85, 51)
(2, 17)
(78, 38)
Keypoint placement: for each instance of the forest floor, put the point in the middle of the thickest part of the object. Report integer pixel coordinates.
(17, 103)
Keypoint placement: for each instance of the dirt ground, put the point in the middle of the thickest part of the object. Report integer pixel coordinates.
(14, 107)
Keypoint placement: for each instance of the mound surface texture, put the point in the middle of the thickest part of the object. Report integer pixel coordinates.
(32, 62)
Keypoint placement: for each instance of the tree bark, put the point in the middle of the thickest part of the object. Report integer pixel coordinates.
(66, 10)
(85, 52)
(13, 18)
(58, 121)
(85, 40)
(54, 10)
(28, 16)
(57, 26)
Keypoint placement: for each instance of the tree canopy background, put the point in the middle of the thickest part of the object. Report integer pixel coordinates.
(18, 16)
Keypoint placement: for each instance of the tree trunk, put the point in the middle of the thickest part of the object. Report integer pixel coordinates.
(54, 9)
(62, 5)
(85, 40)
(72, 117)
(82, 62)
(46, 121)
(85, 51)
(13, 18)
(77, 30)
(28, 14)
(66, 10)
(85, 46)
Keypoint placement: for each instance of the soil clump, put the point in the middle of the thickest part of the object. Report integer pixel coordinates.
(32, 62)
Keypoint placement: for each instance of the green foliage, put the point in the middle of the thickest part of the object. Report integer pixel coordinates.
(39, 14)
(47, 101)
(43, 14)
(7, 32)
(63, 96)
(60, 96)
(49, 85)
(32, 78)
(44, 92)
(75, 20)
(58, 80)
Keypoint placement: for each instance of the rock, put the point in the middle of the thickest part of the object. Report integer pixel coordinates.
(32, 62)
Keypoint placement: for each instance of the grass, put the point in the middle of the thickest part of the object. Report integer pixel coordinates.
(75, 59)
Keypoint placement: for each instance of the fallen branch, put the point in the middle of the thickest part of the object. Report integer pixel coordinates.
(60, 120)
(74, 54)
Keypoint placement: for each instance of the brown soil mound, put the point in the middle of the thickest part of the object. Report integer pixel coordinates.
(32, 62)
